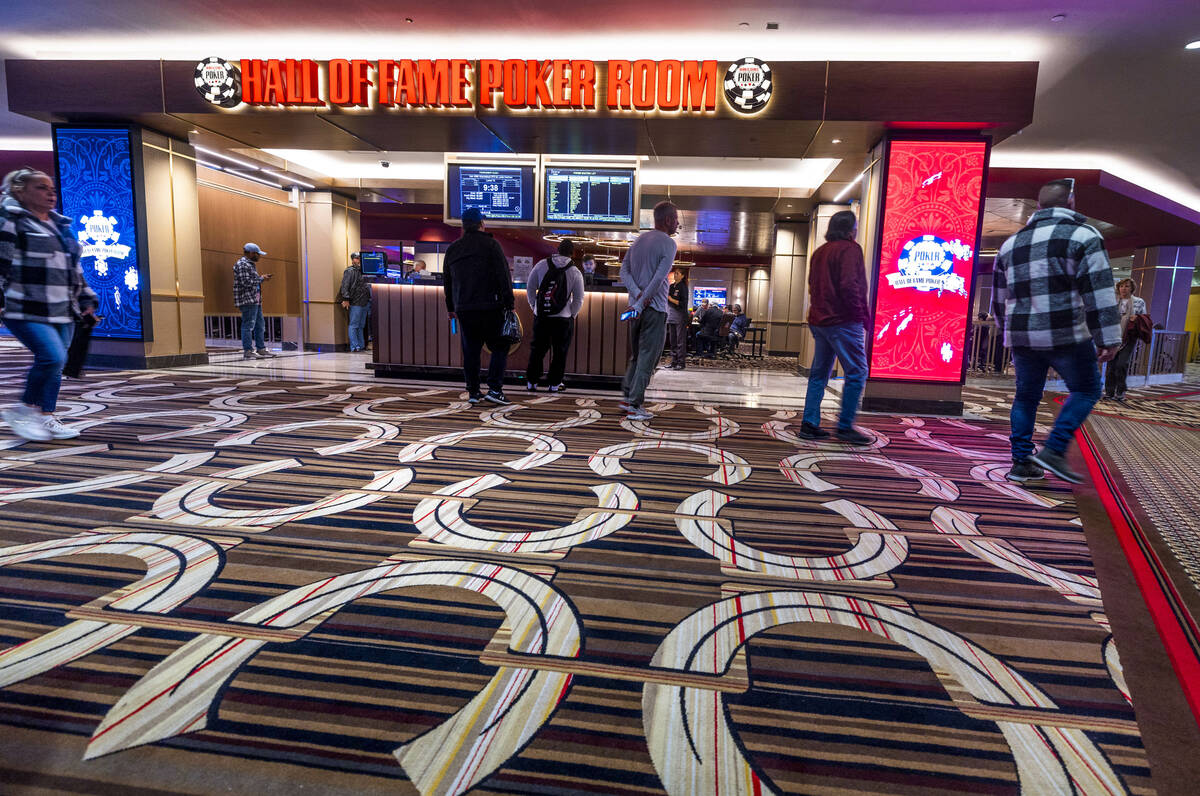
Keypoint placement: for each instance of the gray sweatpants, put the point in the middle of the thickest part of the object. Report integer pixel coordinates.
(647, 332)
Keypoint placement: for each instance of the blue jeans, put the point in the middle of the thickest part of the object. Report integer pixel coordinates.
(358, 321)
(1079, 369)
(252, 324)
(846, 343)
(49, 343)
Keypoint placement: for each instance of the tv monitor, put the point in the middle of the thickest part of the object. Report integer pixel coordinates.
(504, 191)
(590, 195)
(373, 263)
(715, 295)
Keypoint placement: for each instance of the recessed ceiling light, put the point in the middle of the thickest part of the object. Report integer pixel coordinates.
(772, 26)
(409, 20)
(1058, 17)
(837, 140)
(1192, 45)
(743, 24)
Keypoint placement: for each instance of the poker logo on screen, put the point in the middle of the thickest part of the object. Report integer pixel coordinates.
(927, 263)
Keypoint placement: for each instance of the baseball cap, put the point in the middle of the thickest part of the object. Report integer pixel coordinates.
(252, 248)
(472, 215)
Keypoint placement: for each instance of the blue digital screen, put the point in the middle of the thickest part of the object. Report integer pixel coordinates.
(715, 295)
(502, 193)
(373, 263)
(95, 188)
(586, 196)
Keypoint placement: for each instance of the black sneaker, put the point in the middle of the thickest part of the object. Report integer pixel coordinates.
(853, 436)
(496, 397)
(1056, 463)
(1025, 470)
(558, 388)
(474, 397)
(809, 431)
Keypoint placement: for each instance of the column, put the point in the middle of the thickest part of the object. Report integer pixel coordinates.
(132, 196)
(1163, 275)
(329, 234)
(788, 286)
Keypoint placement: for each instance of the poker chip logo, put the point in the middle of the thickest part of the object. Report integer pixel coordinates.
(748, 85)
(927, 263)
(219, 82)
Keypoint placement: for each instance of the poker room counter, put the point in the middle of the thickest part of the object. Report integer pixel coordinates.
(411, 329)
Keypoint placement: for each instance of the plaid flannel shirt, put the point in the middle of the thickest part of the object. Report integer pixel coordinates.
(247, 283)
(39, 267)
(1053, 285)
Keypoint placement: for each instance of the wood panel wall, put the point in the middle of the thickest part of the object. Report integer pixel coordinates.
(233, 212)
(413, 329)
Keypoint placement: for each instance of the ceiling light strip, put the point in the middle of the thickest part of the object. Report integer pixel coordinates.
(842, 193)
(243, 163)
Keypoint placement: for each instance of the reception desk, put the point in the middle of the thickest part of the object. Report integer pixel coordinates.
(412, 335)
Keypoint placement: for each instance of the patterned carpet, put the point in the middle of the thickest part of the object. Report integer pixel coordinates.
(255, 586)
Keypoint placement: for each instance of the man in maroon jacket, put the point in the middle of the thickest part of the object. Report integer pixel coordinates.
(837, 315)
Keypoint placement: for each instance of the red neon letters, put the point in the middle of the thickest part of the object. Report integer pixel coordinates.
(447, 83)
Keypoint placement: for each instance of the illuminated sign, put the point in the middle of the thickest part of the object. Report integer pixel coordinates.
(592, 196)
(95, 182)
(551, 84)
(929, 234)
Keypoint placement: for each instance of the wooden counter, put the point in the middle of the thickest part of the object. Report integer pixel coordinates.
(412, 336)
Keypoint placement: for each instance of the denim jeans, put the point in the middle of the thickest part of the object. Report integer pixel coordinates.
(647, 333)
(252, 324)
(1079, 369)
(846, 343)
(49, 343)
(358, 321)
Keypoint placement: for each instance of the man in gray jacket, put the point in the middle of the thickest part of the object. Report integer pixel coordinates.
(555, 292)
(644, 272)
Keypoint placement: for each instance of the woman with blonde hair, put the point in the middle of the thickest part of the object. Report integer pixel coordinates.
(1129, 305)
(44, 294)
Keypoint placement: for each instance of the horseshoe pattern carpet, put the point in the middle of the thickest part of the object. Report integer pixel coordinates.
(379, 589)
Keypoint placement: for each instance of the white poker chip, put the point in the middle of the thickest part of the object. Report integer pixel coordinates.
(219, 82)
(748, 85)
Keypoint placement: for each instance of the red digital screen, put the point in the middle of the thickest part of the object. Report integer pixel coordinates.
(926, 259)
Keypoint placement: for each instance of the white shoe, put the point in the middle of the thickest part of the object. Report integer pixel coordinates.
(58, 430)
(26, 422)
(639, 414)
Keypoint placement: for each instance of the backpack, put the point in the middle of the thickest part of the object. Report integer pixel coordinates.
(553, 291)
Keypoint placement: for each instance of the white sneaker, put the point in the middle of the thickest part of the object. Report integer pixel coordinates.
(58, 430)
(26, 422)
(639, 414)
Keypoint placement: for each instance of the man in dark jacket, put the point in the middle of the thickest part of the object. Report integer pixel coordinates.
(478, 290)
(837, 315)
(710, 316)
(355, 295)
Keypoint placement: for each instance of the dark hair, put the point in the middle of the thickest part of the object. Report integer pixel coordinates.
(841, 226)
(566, 247)
(1056, 193)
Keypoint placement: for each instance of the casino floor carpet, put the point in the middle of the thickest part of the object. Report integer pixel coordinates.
(244, 585)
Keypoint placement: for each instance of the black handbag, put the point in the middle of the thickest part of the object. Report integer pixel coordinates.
(511, 330)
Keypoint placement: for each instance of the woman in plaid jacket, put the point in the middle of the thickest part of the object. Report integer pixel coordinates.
(44, 294)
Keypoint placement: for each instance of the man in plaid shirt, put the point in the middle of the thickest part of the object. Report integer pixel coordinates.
(247, 295)
(1053, 296)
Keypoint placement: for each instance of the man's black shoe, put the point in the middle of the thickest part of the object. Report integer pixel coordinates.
(809, 431)
(1056, 463)
(496, 397)
(853, 436)
(474, 397)
(1025, 470)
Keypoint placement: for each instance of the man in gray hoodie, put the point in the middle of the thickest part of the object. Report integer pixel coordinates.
(555, 292)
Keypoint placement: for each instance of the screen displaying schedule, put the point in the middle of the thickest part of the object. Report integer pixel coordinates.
(502, 193)
(590, 196)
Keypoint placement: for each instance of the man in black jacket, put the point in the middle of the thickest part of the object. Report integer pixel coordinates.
(478, 290)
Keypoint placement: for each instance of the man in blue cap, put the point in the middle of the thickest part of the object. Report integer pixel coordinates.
(247, 295)
(478, 289)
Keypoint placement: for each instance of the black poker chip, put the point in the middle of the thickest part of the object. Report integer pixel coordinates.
(219, 82)
(748, 85)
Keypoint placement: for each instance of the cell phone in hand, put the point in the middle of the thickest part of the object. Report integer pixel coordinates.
(629, 314)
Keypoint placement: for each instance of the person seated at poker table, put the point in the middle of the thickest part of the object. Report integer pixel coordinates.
(710, 317)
